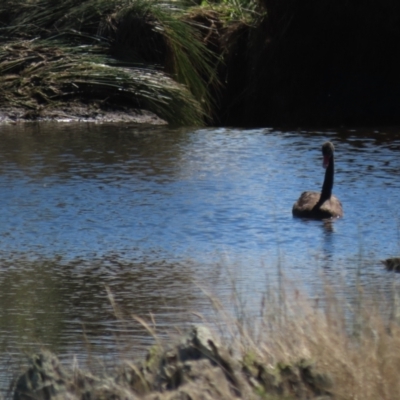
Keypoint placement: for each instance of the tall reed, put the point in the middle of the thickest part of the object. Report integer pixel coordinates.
(354, 340)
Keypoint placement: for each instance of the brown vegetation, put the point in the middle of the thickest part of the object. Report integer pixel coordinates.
(295, 348)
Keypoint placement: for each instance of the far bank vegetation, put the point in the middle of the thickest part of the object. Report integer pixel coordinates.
(155, 55)
(194, 62)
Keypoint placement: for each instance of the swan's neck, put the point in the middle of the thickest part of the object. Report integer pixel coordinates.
(326, 191)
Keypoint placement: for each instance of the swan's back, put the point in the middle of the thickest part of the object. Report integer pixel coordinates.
(307, 206)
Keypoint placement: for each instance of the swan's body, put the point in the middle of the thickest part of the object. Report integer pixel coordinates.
(309, 206)
(324, 204)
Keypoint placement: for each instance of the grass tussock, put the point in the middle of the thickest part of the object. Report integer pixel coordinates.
(144, 51)
(33, 75)
(247, 12)
(169, 39)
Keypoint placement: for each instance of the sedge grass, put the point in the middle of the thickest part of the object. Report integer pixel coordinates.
(171, 45)
(32, 74)
(247, 12)
(185, 57)
(355, 343)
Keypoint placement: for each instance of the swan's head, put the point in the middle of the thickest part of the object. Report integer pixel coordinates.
(327, 152)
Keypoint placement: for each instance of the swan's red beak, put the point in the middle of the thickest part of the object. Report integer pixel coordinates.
(325, 163)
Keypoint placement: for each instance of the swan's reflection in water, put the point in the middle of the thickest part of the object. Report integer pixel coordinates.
(329, 227)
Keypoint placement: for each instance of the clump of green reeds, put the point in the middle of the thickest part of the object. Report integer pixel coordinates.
(33, 74)
(245, 11)
(171, 40)
(164, 67)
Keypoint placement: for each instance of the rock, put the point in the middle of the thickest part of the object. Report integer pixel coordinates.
(196, 367)
(299, 380)
(45, 379)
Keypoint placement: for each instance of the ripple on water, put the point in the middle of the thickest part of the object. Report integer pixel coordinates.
(148, 214)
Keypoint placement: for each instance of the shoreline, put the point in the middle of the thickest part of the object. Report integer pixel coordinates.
(196, 366)
(80, 113)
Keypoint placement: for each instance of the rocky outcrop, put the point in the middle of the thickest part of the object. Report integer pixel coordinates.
(197, 367)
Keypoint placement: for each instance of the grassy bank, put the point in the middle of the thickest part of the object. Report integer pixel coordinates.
(133, 54)
(291, 347)
(226, 62)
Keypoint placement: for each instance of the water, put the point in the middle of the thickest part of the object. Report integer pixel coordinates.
(92, 213)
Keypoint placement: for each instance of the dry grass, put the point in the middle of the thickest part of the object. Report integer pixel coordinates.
(357, 346)
(352, 344)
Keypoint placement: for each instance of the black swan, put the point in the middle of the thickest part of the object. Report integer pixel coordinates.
(325, 204)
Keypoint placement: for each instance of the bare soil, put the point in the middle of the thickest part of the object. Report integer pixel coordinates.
(78, 112)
